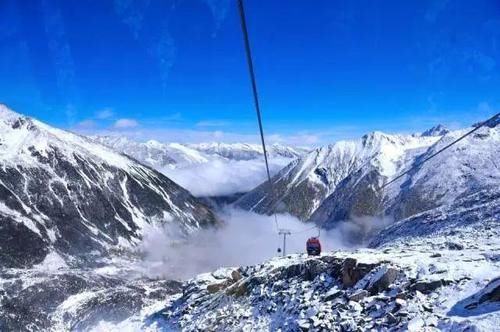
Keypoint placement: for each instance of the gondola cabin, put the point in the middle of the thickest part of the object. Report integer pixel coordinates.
(313, 246)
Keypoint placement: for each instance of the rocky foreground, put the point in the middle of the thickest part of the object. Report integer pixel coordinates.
(446, 284)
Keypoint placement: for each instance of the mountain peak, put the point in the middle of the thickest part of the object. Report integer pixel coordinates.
(9, 115)
(438, 130)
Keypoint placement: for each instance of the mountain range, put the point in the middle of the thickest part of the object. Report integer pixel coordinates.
(160, 155)
(343, 181)
(74, 212)
(65, 193)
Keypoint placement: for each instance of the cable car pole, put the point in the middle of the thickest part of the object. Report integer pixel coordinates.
(284, 232)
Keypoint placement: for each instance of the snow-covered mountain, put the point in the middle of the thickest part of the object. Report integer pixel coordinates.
(341, 181)
(161, 155)
(468, 167)
(245, 151)
(438, 271)
(65, 193)
(301, 187)
(154, 153)
(435, 271)
(437, 268)
(215, 170)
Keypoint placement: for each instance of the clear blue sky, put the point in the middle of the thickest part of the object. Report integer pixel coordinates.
(175, 70)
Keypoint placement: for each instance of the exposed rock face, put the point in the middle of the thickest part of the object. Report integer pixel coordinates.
(492, 293)
(379, 279)
(357, 196)
(62, 191)
(486, 300)
(438, 130)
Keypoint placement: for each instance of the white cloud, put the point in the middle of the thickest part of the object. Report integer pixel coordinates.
(125, 123)
(219, 177)
(105, 113)
(247, 238)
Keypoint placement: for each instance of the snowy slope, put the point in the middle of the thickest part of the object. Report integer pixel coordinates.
(469, 167)
(469, 215)
(60, 191)
(438, 271)
(152, 152)
(302, 186)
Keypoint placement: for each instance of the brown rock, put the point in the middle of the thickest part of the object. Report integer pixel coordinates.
(352, 271)
(216, 287)
(238, 289)
(236, 275)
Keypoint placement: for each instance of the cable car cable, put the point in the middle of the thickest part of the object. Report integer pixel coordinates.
(480, 125)
(255, 96)
(494, 120)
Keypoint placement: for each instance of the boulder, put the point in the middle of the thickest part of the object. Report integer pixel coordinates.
(216, 287)
(236, 275)
(238, 289)
(492, 295)
(382, 279)
(428, 286)
(332, 294)
(454, 246)
(352, 271)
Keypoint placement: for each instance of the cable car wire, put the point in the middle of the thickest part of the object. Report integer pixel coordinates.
(248, 53)
(494, 120)
(253, 80)
(480, 125)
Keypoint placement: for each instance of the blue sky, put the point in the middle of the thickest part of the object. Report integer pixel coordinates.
(175, 70)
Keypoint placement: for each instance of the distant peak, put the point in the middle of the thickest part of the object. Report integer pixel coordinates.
(438, 130)
(154, 143)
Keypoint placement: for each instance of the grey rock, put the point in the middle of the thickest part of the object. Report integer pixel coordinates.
(358, 295)
(384, 281)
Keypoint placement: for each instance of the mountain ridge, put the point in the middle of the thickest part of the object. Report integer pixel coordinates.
(64, 192)
(317, 174)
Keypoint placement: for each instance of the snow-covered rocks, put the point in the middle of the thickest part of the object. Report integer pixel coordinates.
(343, 291)
(72, 299)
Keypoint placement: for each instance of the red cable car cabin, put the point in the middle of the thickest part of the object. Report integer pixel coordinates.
(313, 246)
